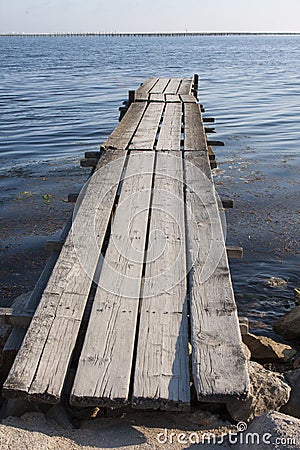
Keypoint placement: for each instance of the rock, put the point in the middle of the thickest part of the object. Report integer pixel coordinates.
(293, 405)
(268, 390)
(60, 416)
(263, 348)
(296, 363)
(272, 430)
(297, 296)
(289, 324)
(246, 351)
(276, 282)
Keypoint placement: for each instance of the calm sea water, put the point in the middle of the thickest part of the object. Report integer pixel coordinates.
(59, 96)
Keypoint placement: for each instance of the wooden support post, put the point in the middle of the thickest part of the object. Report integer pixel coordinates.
(8, 316)
(216, 143)
(72, 197)
(209, 130)
(213, 164)
(244, 325)
(211, 153)
(89, 162)
(131, 97)
(54, 246)
(227, 203)
(234, 252)
(208, 119)
(92, 154)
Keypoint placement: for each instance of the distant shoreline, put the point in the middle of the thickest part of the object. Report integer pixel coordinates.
(156, 34)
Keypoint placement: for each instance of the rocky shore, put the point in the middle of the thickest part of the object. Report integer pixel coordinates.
(268, 418)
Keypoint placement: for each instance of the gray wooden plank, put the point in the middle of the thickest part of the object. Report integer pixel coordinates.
(122, 134)
(104, 369)
(194, 134)
(186, 98)
(173, 86)
(146, 132)
(160, 86)
(41, 364)
(173, 98)
(142, 91)
(170, 132)
(161, 378)
(156, 98)
(219, 366)
(185, 86)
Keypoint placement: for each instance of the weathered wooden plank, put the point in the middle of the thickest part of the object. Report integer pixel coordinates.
(41, 364)
(194, 135)
(185, 87)
(173, 86)
(161, 378)
(219, 366)
(142, 92)
(104, 369)
(173, 98)
(186, 98)
(170, 132)
(145, 135)
(160, 86)
(156, 98)
(122, 134)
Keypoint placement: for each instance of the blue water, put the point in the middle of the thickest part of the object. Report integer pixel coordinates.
(59, 96)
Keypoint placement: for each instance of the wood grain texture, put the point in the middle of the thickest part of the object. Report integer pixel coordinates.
(173, 86)
(142, 92)
(104, 369)
(173, 98)
(185, 87)
(170, 132)
(161, 377)
(40, 367)
(219, 366)
(160, 86)
(186, 98)
(122, 134)
(156, 97)
(194, 135)
(145, 135)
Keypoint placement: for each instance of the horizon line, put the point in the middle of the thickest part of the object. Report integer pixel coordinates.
(153, 33)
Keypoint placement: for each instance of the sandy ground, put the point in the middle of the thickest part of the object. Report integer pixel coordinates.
(140, 431)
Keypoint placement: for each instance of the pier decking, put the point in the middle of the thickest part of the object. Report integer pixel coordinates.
(141, 289)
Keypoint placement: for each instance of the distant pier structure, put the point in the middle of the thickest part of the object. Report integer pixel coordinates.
(142, 34)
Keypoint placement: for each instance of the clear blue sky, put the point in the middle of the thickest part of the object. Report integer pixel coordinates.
(149, 15)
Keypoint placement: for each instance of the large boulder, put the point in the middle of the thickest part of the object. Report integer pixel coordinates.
(289, 324)
(272, 430)
(265, 349)
(293, 405)
(268, 391)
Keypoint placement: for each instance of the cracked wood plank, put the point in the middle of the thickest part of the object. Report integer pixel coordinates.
(194, 134)
(145, 135)
(41, 364)
(141, 94)
(103, 374)
(160, 86)
(173, 86)
(170, 132)
(185, 86)
(122, 134)
(218, 361)
(161, 378)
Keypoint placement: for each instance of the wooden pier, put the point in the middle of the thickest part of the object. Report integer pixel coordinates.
(139, 305)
